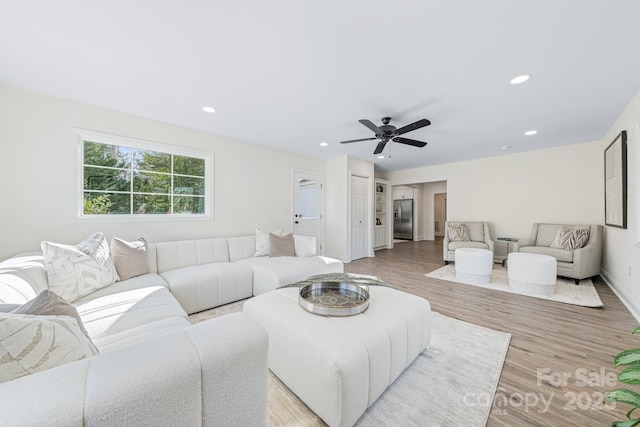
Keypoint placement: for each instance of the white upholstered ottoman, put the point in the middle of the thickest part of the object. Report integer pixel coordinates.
(339, 366)
(474, 265)
(532, 273)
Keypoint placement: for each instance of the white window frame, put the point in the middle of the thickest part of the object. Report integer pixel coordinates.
(83, 135)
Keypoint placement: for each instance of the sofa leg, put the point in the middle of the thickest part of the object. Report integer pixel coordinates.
(446, 262)
(577, 281)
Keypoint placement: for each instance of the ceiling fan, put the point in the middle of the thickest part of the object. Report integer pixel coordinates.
(387, 132)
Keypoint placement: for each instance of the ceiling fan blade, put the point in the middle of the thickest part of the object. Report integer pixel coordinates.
(409, 141)
(413, 126)
(380, 147)
(357, 140)
(370, 125)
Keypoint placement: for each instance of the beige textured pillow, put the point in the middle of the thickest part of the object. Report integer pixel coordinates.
(130, 258)
(74, 271)
(30, 344)
(262, 241)
(282, 245)
(47, 303)
(458, 233)
(571, 238)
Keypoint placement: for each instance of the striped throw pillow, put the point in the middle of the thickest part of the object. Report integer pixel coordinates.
(458, 233)
(30, 344)
(571, 238)
(74, 271)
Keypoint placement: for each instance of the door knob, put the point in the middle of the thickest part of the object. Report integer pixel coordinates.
(296, 222)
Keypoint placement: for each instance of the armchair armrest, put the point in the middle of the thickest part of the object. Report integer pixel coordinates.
(487, 237)
(586, 260)
(212, 373)
(445, 241)
(531, 241)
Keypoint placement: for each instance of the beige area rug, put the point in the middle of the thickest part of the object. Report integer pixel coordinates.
(452, 383)
(567, 291)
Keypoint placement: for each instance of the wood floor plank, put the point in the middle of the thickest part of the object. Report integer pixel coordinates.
(549, 340)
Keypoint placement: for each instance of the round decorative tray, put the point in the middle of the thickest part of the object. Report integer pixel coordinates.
(334, 298)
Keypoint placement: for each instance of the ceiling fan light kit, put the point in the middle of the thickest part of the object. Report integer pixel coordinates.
(387, 132)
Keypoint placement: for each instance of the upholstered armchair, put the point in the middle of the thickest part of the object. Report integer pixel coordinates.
(478, 236)
(576, 248)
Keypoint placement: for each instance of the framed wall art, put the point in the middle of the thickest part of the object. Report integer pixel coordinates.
(615, 182)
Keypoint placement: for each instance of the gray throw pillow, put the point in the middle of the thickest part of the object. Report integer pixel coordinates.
(281, 245)
(130, 258)
(48, 303)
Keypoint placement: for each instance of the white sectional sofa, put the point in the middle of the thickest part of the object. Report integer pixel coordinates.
(207, 273)
(153, 366)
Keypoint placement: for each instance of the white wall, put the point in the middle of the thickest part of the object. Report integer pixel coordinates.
(558, 185)
(336, 200)
(338, 172)
(252, 183)
(621, 264)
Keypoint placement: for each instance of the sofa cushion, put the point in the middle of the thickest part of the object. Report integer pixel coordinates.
(563, 255)
(241, 247)
(112, 313)
(547, 234)
(272, 273)
(22, 278)
(30, 344)
(571, 238)
(74, 271)
(187, 253)
(476, 231)
(130, 258)
(140, 333)
(201, 287)
(456, 245)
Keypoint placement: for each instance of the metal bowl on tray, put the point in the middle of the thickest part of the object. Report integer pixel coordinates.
(334, 298)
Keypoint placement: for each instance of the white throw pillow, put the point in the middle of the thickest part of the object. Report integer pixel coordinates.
(74, 271)
(30, 344)
(262, 241)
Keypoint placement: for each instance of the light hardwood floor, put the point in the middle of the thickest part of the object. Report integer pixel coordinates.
(560, 357)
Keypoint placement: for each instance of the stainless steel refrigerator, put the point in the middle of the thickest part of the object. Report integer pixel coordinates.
(403, 219)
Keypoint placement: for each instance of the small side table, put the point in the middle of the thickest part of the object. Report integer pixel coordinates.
(509, 241)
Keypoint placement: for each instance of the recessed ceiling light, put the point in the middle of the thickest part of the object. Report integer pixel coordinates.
(505, 147)
(531, 132)
(520, 79)
(208, 109)
(381, 157)
(323, 144)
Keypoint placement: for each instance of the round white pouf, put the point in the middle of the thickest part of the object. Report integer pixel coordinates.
(473, 265)
(532, 273)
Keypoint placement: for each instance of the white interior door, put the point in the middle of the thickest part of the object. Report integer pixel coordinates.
(359, 215)
(307, 206)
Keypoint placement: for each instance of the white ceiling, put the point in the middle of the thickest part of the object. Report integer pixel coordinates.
(293, 73)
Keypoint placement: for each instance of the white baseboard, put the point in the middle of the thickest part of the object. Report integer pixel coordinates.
(610, 281)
